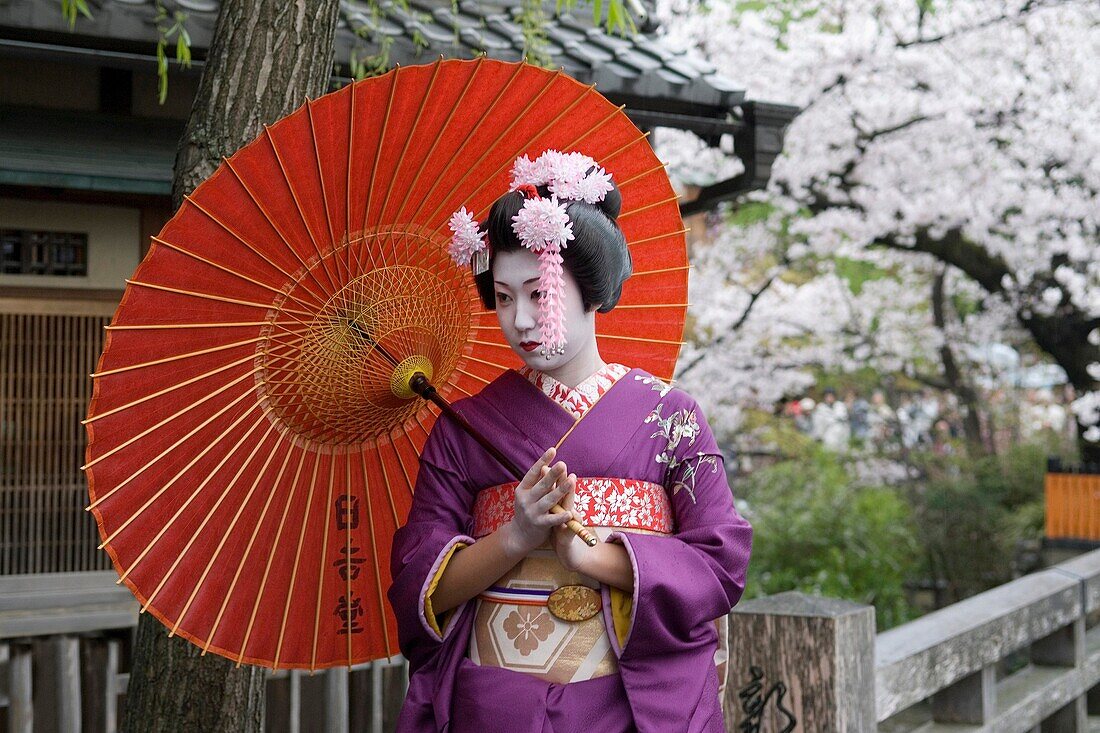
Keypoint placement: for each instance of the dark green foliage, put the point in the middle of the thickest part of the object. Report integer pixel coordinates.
(956, 527)
(815, 532)
(973, 515)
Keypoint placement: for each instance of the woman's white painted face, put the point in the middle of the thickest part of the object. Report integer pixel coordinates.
(516, 283)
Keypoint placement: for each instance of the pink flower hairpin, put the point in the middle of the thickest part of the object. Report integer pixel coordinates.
(542, 226)
(467, 239)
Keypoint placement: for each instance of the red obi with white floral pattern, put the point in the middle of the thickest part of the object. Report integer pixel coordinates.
(599, 502)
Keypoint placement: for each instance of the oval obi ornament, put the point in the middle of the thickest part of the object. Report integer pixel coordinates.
(574, 603)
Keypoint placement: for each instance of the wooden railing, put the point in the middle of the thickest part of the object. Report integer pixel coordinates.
(65, 654)
(1072, 502)
(1024, 657)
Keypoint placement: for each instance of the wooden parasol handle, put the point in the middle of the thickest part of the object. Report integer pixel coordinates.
(420, 384)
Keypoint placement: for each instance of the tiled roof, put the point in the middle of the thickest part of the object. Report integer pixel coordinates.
(638, 69)
(639, 65)
(100, 152)
(658, 86)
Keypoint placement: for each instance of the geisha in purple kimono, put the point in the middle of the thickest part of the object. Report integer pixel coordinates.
(508, 620)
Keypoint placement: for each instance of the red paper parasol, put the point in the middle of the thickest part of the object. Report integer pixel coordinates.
(248, 457)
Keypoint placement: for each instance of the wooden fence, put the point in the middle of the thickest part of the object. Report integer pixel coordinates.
(65, 642)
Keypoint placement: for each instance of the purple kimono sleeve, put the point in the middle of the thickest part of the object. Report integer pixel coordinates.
(683, 582)
(439, 520)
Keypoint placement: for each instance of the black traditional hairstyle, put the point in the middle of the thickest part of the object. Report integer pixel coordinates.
(596, 255)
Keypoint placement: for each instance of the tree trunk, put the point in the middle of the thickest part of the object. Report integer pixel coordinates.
(265, 59)
(972, 428)
(172, 688)
(1063, 334)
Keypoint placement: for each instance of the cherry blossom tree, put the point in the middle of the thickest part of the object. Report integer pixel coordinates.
(958, 134)
(764, 321)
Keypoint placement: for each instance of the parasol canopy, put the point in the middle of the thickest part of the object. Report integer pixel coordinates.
(251, 447)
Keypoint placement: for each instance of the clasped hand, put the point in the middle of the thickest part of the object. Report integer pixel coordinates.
(542, 487)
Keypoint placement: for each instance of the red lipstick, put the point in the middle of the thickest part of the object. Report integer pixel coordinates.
(529, 345)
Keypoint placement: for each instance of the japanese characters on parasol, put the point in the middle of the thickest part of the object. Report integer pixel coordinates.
(250, 450)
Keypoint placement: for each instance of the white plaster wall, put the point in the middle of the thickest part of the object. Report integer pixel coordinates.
(113, 240)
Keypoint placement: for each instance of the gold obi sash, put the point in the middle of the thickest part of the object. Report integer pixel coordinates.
(520, 623)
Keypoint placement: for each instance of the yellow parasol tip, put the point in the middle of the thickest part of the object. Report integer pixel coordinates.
(403, 373)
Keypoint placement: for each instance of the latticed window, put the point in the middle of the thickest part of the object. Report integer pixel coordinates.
(45, 360)
(29, 252)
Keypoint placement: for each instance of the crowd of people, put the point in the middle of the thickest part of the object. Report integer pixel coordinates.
(926, 419)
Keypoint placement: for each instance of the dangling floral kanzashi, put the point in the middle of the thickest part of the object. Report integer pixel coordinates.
(542, 226)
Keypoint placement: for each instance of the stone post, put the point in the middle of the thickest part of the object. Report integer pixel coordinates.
(801, 664)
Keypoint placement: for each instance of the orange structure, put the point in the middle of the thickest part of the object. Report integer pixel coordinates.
(1072, 501)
